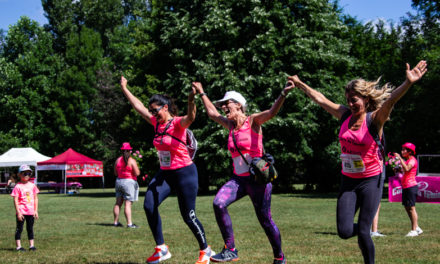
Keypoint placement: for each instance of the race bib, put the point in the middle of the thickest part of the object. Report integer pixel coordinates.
(164, 158)
(352, 163)
(240, 165)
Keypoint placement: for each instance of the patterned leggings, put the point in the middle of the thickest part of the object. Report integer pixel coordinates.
(234, 190)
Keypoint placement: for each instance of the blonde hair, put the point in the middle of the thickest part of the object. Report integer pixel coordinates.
(377, 95)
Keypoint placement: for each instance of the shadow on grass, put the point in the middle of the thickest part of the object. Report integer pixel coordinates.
(8, 249)
(327, 233)
(101, 224)
(310, 195)
(113, 262)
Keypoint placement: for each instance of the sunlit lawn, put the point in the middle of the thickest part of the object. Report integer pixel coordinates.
(77, 229)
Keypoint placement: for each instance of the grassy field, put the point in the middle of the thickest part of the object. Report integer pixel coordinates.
(78, 229)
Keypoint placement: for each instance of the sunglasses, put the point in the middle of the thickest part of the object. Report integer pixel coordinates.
(27, 173)
(154, 111)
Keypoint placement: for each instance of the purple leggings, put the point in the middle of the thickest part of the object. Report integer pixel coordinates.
(260, 195)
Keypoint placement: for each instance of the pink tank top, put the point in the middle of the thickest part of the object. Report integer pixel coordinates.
(359, 152)
(172, 153)
(409, 178)
(124, 171)
(250, 144)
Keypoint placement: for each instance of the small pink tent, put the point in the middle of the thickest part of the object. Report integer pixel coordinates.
(73, 165)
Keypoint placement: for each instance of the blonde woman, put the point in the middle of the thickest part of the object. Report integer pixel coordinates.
(369, 107)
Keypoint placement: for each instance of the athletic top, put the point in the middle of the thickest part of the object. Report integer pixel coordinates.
(172, 153)
(360, 156)
(409, 178)
(250, 144)
(124, 171)
(26, 194)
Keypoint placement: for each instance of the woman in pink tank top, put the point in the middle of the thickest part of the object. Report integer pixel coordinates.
(249, 140)
(177, 170)
(126, 186)
(409, 186)
(361, 186)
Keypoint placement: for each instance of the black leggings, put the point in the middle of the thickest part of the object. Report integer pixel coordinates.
(29, 227)
(363, 194)
(184, 182)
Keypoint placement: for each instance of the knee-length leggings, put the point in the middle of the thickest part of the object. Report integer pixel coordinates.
(363, 194)
(29, 227)
(260, 195)
(184, 182)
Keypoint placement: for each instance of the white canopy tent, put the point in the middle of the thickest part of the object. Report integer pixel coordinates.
(19, 156)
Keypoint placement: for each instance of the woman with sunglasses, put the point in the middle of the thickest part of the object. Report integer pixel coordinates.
(409, 185)
(249, 137)
(369, 107)
(177, 171)
(126, 186)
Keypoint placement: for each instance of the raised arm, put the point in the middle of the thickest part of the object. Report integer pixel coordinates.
(211, 110)
(262, 117)
(191, 114)
(334, 109)
(135, 102)
(381, 115)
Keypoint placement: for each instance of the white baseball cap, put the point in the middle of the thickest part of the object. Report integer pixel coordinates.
(232, 95)
(24, 168)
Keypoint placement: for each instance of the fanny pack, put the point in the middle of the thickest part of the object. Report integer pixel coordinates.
(260, 168)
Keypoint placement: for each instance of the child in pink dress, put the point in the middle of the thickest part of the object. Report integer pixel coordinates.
(26, 206)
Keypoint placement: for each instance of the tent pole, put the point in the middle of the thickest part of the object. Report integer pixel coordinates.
(65, 182)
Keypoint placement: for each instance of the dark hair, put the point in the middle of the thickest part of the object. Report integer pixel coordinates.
(126, 156)
(162, 99)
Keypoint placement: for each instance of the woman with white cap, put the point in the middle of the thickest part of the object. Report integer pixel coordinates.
(409, 185)
(177, 170)
(249, 140)
(127, 187)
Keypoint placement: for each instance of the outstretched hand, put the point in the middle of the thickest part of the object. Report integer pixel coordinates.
(197, 87)
(123, 81)
(417, 72)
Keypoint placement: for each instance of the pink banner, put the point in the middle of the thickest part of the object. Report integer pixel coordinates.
(429, 189)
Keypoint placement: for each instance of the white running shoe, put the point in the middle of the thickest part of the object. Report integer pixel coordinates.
(205, 255)
(160, 254)
(377, 234)
(419, 230)
(412, 233)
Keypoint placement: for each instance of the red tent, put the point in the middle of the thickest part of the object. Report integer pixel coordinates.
(73, 165)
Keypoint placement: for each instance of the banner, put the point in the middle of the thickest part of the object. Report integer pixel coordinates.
(84, 170)
(429, 189)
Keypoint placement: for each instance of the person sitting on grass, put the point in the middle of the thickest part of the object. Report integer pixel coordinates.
(26, 206)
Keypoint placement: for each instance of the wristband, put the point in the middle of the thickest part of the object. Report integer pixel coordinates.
(202, 94)
(283, 94)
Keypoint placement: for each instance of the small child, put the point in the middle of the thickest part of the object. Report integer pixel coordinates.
(26, 206)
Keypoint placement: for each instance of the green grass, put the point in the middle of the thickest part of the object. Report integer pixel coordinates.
(77, 229)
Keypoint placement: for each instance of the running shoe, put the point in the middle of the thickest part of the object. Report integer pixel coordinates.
(412, 233)
(20, 249)
(377, 234)
(32, 249)
(132, 226)
(160, 254)
(118, 225)
(226, 255)
(280, 261)
(419, 230)
(205, 256)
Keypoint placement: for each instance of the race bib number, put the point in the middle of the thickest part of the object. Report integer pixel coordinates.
(164, 158)
(240, 165)
(352, 163)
